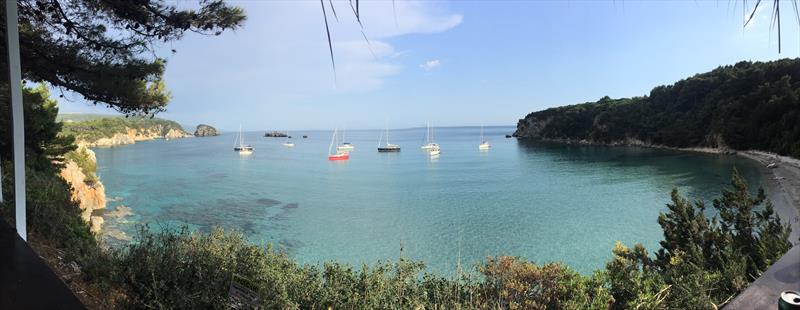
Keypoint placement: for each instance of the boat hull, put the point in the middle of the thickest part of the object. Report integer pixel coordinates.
(339, 157)
(388, 149)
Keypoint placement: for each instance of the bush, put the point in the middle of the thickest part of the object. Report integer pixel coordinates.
(83, 159)
(703, 263)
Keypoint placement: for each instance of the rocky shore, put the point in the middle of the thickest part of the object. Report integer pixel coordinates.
(90, 195)
(87, 189)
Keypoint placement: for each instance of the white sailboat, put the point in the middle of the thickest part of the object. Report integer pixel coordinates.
(389, 147)
(288, 142)
(484, 146)
(429, 144)
(346, 146)
(239, 145)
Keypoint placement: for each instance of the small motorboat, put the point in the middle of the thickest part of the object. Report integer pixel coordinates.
(346, 146)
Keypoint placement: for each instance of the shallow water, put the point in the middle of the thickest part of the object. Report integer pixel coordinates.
(544, 202)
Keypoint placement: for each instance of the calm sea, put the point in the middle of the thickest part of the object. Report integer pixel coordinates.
(543, 202)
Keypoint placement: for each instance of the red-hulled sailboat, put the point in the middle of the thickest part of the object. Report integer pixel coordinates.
(340, 154)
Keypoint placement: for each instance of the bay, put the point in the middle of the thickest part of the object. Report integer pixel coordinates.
(541, 201)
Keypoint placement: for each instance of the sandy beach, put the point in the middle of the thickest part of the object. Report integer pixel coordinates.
(782, 184)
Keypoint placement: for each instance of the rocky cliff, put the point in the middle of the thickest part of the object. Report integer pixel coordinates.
(204, 130)
(86, 189)
(114, 131)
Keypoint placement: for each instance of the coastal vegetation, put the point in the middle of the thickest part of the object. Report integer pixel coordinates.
(749, 105)
(92, 130)
(703, 261)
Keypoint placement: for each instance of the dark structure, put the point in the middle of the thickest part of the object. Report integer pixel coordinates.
(25, 280)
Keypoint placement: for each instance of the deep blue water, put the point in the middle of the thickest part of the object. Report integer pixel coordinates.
(544, 202)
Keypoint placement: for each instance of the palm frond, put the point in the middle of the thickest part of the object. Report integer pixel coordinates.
(328, 32)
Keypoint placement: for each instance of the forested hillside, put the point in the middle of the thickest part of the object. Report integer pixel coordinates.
(749, 105)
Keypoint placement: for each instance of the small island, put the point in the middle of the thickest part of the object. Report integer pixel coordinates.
(204, 130)
(276, 134)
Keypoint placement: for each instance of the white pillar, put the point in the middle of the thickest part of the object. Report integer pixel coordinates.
(14, 83)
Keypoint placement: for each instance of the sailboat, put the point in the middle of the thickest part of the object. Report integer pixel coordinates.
(241, 147)
(388, 147)
(484, 143)
(346, 146)
(340, 155)
(288, 142)
(429, 145)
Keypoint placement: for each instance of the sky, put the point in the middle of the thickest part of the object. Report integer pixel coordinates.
(453, 63)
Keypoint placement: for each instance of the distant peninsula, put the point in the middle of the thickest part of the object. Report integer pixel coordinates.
(746, 106)
(93, 130)
(204, 130)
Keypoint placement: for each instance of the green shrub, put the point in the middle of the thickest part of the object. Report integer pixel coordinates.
(702, 262)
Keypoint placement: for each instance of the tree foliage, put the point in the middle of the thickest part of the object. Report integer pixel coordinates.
(43, 141)
(105, 50)
(750, 105)
(702, 262)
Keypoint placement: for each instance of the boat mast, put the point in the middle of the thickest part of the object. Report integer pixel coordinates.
(238, 139)
(428, 134)
(330, 148)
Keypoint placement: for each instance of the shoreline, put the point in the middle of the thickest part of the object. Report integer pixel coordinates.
(782, 184)
(783, 190)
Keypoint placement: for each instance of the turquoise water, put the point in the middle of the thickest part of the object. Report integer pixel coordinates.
(544, 202)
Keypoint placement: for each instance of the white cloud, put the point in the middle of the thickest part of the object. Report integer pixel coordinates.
(430, 64)
(279, 62)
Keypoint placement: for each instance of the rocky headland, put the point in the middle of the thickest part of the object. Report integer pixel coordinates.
(87, 190)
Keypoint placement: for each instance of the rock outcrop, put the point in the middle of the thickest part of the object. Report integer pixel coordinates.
(204, 130)
(90, 195)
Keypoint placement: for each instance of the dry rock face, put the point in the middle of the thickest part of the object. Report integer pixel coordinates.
(90, 196)
(204, 130)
